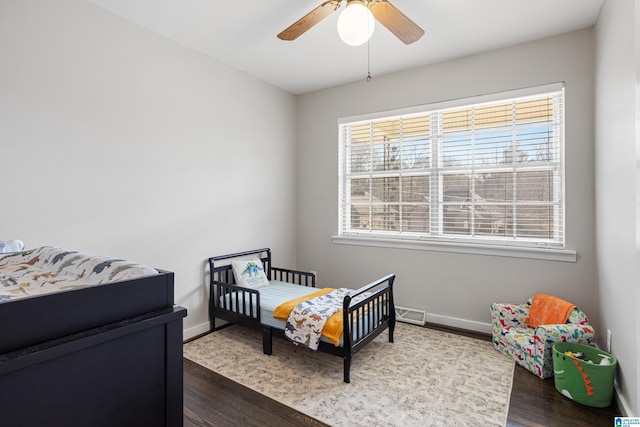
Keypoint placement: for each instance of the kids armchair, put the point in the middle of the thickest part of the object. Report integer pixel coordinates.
(527, 332)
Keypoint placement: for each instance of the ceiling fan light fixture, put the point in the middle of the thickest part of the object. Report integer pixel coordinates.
(355, 24)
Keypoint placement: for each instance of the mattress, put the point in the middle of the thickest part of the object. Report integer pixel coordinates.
(275, 294)
(271, 297)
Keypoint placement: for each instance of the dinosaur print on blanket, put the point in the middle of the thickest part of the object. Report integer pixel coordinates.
(307, 319)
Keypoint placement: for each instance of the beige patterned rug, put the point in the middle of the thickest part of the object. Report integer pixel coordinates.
(424, 378)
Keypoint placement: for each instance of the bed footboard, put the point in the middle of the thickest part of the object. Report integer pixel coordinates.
(368, 317)
(364, 319)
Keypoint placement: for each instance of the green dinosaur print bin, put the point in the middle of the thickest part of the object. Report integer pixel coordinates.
(587, 383)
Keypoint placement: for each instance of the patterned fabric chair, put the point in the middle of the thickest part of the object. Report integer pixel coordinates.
(532, 347)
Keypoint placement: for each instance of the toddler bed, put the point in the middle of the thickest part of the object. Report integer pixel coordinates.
(364, 313)
(83, 336)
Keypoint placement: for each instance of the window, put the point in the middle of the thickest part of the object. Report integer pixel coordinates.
(487, 172)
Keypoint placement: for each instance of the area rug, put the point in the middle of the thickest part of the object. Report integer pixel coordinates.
(425, 378)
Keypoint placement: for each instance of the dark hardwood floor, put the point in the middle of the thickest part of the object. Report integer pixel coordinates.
(213, 400)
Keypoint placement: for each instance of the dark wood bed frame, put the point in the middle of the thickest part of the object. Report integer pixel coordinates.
(359, 329)
(105, 355)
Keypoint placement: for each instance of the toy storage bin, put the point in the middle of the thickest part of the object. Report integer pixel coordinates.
(588, 383)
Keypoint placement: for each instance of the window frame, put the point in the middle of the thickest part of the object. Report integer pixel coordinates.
(486, 245)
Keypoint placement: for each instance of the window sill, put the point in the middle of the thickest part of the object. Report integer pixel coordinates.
(564, 255)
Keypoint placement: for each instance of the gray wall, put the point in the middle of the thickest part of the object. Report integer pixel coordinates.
(454, 289)
(116, 141)
(618, 190)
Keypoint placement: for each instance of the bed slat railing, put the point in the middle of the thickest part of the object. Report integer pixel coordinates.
(364, 318)
(243, 301)
(369, 314)
(302, 278)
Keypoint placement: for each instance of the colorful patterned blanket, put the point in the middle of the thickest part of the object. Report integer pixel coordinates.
(48, 269)
(307, 319)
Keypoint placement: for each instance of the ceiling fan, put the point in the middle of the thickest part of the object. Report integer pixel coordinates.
(383, 11)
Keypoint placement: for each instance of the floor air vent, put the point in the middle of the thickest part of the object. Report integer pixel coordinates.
(411, 315)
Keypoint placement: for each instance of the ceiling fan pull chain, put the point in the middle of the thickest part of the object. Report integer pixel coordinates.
(369, 61)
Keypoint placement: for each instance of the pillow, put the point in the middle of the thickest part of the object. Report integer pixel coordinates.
(249, 273)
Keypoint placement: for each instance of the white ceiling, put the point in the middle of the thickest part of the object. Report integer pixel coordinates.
(242, 33)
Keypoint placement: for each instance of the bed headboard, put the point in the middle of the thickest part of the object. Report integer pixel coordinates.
(220, 266)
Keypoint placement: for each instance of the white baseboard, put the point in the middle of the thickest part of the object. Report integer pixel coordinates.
(470, 325)
(622, 403)
(194, 331)
(455, 322)
(618, 397)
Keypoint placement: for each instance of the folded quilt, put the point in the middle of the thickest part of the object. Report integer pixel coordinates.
(308, 318)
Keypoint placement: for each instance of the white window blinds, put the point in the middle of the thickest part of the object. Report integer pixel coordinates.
(490, 172)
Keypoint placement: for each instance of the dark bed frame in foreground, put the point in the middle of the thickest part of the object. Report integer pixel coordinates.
(363, 321)
(105, 355)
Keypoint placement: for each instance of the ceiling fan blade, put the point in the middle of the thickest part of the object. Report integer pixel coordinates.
(395, 21)
(309, 20)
